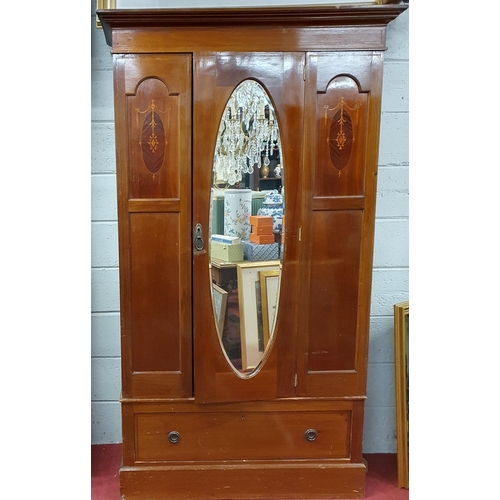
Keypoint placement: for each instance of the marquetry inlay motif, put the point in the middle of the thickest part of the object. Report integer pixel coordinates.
(153, 141)
(340, 138)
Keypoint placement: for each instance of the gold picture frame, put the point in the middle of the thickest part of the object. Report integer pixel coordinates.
(219, 301)
(269, 289)
(250, 309)
(102, 5)
(401, 358)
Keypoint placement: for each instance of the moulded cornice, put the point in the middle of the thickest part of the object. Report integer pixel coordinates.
(293, 16)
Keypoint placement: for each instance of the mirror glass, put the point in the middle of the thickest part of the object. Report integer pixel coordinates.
(246, 226)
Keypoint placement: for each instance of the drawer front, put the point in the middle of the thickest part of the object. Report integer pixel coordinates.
(242, 436)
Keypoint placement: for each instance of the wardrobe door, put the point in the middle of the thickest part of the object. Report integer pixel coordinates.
(216, 76)
(343, 107)
(153, 130)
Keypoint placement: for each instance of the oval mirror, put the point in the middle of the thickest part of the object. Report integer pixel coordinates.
(246, 226)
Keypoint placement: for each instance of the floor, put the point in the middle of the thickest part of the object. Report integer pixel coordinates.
(381, 481)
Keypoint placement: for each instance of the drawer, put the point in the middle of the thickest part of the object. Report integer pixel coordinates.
(242, 436)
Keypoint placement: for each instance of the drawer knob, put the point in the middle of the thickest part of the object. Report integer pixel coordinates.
(311, 434)
(174, 437)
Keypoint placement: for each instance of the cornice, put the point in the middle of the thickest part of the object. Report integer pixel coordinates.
(291, 16)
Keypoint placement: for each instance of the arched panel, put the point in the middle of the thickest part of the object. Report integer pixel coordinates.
(153, 132)
(340, 125)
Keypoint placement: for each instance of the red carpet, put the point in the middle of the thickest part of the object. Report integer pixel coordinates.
(106, 460)
(381, 481)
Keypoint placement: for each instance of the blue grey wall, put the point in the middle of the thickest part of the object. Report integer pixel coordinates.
(390, 274)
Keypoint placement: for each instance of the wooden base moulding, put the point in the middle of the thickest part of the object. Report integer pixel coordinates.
(242, 451)
(223, 480)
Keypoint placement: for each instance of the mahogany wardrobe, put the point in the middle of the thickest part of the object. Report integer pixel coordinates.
(245, 303)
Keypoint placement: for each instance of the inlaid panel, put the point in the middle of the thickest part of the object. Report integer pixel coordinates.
(153, 137)
(340, 128)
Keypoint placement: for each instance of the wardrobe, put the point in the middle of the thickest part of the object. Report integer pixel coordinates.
(244, 375)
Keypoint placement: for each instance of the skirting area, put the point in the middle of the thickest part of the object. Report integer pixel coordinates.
(381, 482)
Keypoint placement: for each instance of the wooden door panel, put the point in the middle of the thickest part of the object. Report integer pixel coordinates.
(333, 306)
(337, 226)
(234, 67)
(215, 78)
(154, 198)
(155, 283)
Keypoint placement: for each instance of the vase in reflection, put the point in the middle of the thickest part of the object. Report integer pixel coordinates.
(273, 207)
(237, 211)
(264, 171)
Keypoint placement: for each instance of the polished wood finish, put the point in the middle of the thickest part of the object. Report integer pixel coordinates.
(154, 209)
(223, 436)
(216, 76)
(240, 481)
(245, 436)
(339, 207)
(306, 16)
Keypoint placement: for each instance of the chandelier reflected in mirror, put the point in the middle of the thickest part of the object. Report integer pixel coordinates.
(248, 133)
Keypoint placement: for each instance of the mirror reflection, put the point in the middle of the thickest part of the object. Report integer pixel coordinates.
(247, 226)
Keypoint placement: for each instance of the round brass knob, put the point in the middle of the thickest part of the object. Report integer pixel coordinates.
(174, 437)
(311, 434)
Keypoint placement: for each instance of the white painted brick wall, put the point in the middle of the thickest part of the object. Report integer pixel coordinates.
(390, 275)
(105, 324)
(390, 260)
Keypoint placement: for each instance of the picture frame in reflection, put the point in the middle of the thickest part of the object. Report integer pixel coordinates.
(269, 289)
(251, 311)
(220, 307)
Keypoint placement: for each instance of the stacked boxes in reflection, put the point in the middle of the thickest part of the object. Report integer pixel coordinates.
(262, 244)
